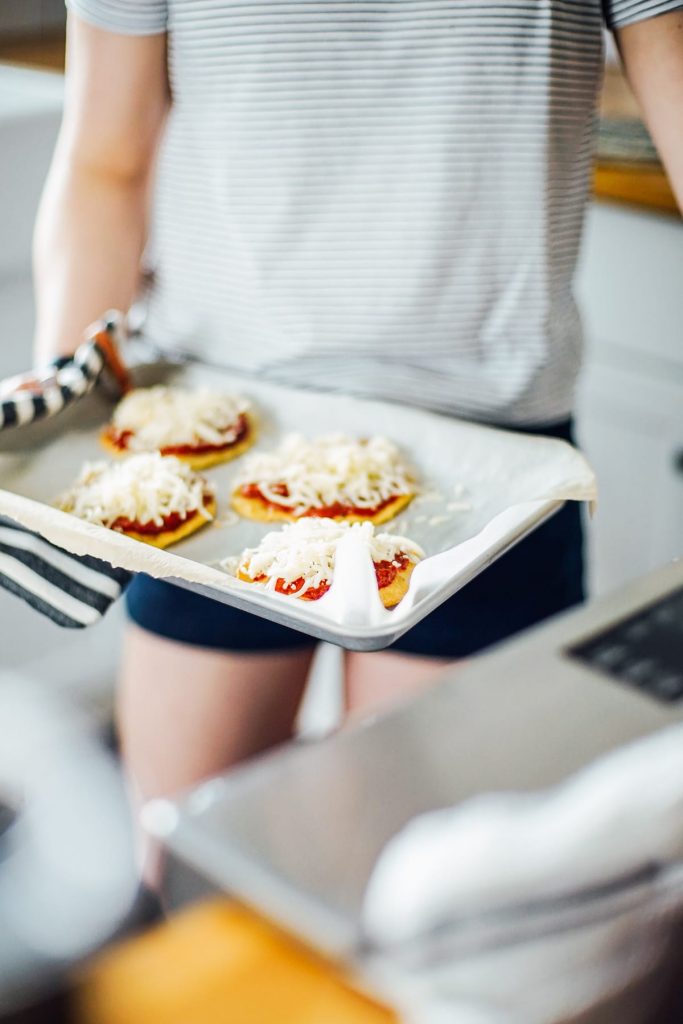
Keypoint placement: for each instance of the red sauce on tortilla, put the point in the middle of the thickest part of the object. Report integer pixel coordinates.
(386, 572)
(321, 512)
(120, 439)
(313, 594)
(169, 523)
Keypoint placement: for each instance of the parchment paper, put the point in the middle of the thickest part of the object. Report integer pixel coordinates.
(480, 488)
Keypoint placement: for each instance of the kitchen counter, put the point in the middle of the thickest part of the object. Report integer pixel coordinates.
(644, 186)
(45, 52)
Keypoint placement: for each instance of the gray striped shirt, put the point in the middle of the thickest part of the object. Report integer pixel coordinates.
(379, 196)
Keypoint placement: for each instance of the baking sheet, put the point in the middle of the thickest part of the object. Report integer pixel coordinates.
(481, 490)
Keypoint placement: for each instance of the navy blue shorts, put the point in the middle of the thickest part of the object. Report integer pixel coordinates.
(540, 576)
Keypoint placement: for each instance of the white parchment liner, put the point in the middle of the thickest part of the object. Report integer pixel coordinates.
(480, 488)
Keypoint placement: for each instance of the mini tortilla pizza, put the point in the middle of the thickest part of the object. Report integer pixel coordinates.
(299, 560)
(200, 427)
(332, 477)
(152, 498)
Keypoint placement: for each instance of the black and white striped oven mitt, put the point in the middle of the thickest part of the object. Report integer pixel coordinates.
(73, 591)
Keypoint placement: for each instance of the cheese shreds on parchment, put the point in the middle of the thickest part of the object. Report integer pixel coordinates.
(161, 417)
(307, 550)
(329, 470)
(144, 489)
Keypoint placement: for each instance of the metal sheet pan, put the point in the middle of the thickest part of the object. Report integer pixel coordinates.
(482, 490)
(297, 832)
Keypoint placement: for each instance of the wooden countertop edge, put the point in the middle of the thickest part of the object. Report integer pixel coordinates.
(637, 185)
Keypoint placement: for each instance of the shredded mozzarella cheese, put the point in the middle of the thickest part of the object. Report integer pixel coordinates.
(144, 489)
(160, 417)
(307, 549)
(329, 470)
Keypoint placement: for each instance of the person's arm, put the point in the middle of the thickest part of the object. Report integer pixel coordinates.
(652, 53)
(92, 222)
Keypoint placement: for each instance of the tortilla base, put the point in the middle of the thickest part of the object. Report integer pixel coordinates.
(200, 461)
(261, 512)
(168, 537)
(398, 588)
(390, 595)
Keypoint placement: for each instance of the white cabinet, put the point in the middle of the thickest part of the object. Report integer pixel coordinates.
(630, 409)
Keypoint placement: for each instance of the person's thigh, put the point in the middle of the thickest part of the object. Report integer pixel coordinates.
(374, 681)
(202, 687)
(186, 713)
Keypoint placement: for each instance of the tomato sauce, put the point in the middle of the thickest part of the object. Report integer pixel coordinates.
(120, 439)
(322, 512)
(386, 572)
(313, 594)
(169, 522)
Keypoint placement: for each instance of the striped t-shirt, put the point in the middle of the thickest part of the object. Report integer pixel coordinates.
(379, 196)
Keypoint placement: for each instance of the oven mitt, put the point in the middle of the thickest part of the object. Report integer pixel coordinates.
(73, 591)
(46, 392)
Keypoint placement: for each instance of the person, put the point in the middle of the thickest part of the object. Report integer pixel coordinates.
(383, 197)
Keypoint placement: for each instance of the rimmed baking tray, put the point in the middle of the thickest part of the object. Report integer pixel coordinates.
(481, 491)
